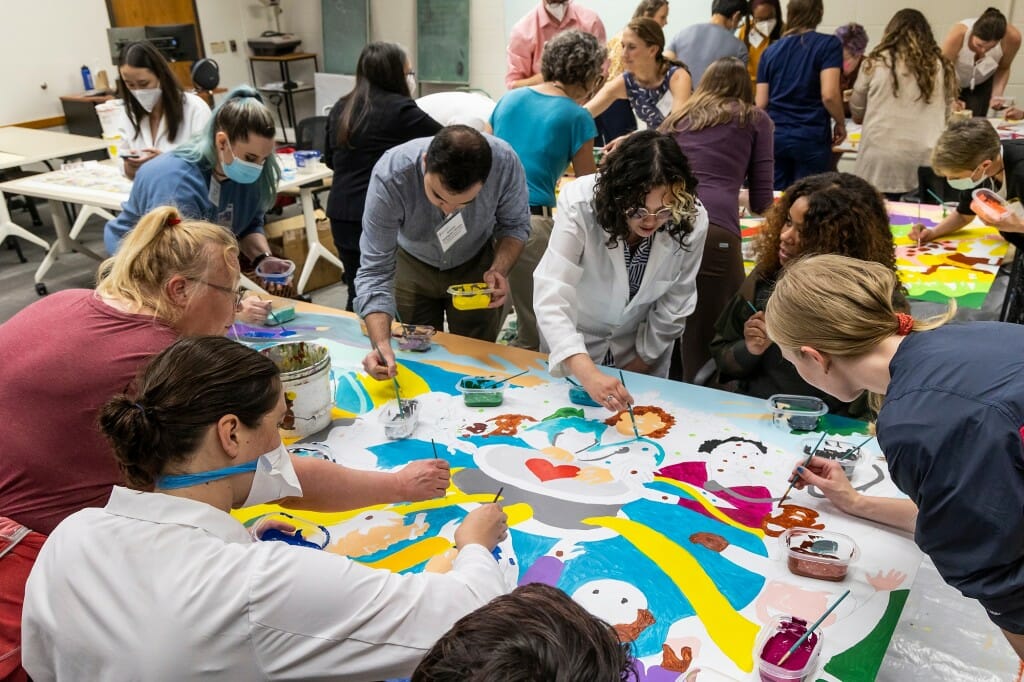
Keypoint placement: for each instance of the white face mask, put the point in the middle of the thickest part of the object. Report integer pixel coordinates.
(410, 80)
(557, 10)
(147, 97)
(765, 27)
(274, 478)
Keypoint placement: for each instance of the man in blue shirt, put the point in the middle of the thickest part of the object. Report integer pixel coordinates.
(452, 209)
(700, 44)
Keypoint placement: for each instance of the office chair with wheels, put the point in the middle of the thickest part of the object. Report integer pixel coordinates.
(311, 133)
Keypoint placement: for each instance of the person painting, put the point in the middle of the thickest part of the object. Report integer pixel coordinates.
(950, 422)
(618, 279)
(377, 115)
(835, 213)
(157, 115)
(197, 437)
(983, 50)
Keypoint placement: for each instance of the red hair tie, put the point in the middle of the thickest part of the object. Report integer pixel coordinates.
(904, 324)
(173, 220)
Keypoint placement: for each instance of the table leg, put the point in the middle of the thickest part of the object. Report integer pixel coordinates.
(65, 243)
(315, 248)
(8, 228)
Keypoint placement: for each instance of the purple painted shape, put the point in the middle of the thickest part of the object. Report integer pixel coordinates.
(546, 570)
(900, 219)
(655, 673)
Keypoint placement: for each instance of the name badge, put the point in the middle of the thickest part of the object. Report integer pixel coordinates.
(451, 231)
(226, 217)
(214, 195)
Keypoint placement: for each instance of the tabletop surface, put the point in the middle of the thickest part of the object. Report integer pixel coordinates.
(672, 536)
(31, 146)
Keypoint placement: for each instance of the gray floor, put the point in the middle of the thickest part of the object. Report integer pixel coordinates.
(76, 270)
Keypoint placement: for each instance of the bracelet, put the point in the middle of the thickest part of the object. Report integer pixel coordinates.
(260, 258)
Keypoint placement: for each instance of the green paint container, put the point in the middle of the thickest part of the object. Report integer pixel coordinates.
(481, 391)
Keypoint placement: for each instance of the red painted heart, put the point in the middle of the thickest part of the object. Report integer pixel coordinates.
(546, 471)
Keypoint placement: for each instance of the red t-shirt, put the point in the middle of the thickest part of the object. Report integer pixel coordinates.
(61, 359)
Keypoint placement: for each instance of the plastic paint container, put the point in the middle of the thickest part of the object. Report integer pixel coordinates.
(481, 391)
(416, 337)
(399, 423)
(286, 160)
(277, 271)
(776, 638)
(989, 206)
(306, 378)
(796, 412)
(470, 296)
(307, 160)
(838, 449)
(819, 554)
(579, 396)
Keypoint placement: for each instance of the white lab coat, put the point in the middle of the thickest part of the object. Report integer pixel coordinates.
(581, 289)
(195, 114)
(157, 587)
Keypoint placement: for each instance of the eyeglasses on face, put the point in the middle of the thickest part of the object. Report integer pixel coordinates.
(661, 215)
(238, 293)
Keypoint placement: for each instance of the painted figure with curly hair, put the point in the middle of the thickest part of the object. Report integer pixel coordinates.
(619, 277)
(902, 97)
(836, 213)
(548, 128)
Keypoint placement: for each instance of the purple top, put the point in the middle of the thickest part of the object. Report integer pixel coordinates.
(722, 157)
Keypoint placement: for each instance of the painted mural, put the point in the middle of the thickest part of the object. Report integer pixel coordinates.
(669, 532)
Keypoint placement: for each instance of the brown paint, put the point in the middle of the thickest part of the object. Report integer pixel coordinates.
(713, 541)
(508, 424)
(789, 516)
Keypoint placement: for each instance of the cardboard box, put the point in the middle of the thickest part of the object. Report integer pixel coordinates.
(287, 239)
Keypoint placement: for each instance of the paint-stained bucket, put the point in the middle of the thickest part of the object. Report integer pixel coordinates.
(306, 377)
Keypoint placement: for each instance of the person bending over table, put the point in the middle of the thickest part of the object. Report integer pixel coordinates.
(65, 355)
(157, 115)
(556, 639)
(163, 584)
(446, 210)
(226, 175)
(982, 50)
(835, 213)
(949, 425)
(548, 130)
(619, 277)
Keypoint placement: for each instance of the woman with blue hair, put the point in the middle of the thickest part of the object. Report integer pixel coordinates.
(227, 174)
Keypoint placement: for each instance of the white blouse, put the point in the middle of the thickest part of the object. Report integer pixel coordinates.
(581, 289)
(195, 114)
(158, 587)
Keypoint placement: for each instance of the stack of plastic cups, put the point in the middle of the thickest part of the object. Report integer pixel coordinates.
(110, 113)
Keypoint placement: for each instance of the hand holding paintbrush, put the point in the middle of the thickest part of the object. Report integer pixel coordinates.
(796, 477)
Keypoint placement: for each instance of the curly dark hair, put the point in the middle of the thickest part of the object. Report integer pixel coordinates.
(908, 43)
(572, 58)
(643, 161)
(535, 633)
(845, 216)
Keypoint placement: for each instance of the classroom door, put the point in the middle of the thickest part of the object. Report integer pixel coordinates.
(148, 13)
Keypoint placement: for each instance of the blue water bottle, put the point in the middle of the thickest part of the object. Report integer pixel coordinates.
(87, 78)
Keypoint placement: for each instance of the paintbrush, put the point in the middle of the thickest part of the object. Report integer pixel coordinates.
(501, 381)
(796, 477)
(811, 629)
(938, 199)
(398, 395)
(574, 382)
(276, 321)
(433, 446)
(497, 496)
(752, 306)
(629, 407)
(850, 453)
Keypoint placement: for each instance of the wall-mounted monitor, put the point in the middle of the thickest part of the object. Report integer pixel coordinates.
(176, 42)
(119, 37)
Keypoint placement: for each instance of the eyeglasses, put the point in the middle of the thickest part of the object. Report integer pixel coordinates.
(238, 293)
(661, 216)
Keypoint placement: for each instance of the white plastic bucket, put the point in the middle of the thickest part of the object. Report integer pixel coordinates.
(306, 377)
(109, 113)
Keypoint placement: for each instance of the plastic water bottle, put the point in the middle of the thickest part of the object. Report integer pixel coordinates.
(87, 78)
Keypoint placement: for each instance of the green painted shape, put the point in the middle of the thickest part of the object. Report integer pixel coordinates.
(973, 300)
(863, 659)
(564, 412)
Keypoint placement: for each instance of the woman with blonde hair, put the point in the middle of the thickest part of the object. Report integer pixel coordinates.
(67, 354)
(950, 421)
(728, 142)
(902, 97)
(655, 86)
(835, 213)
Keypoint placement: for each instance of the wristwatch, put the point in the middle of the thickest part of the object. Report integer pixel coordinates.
(260, 258)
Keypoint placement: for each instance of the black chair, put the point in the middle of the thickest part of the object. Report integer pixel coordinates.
(311, 133)
(930, 186)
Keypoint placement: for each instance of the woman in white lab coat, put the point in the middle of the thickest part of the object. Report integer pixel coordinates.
(157, 115)
(618, 279)
(164, 584)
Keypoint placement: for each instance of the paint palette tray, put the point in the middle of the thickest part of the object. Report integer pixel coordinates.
(482, 391)
(843, 451)
(400, 421)
(796, 412)
(776, 638)
(819, 554)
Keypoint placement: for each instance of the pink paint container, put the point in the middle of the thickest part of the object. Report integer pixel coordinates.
(775, 640)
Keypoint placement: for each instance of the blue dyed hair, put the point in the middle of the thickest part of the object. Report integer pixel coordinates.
(241, 114)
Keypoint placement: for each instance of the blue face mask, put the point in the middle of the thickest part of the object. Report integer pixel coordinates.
(188, 480)
(241, 171)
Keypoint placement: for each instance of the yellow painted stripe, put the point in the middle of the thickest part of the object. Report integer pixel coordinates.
(380, 392)
(733, 633)
(694, 493)
(413, 555)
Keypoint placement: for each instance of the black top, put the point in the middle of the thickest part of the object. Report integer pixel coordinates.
(951, 429)
(1013, 168)
(392, 120)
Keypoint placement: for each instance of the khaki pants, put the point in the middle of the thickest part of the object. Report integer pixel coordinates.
(421, 295)
(521, 282)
